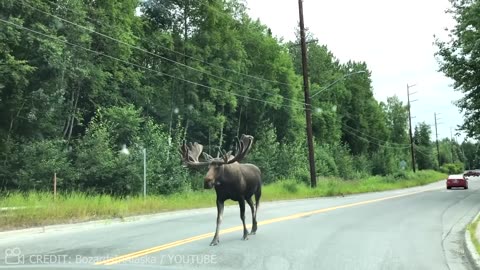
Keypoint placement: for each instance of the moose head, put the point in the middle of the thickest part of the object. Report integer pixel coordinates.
(191, 153)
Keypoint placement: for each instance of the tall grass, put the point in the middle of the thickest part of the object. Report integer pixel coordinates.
(472, 229)
(39, 209)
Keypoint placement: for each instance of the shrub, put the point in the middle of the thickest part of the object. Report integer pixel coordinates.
(325, 164)
(36, 162)
(452, 168)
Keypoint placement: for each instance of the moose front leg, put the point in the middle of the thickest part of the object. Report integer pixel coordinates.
(254, 216)
(241, 203)
(220, 205)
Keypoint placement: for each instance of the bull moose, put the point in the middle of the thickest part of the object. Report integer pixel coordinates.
(231, 179)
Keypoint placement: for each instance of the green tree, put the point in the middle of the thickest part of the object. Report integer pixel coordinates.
(397, 120)
(470, 151)
(423, 146)
(459, 60)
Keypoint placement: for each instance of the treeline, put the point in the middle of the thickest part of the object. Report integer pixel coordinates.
(80, 80)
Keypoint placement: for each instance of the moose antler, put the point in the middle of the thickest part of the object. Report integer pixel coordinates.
(190, 154)
(244, 146)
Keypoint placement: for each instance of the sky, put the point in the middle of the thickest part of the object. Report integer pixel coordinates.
(394, 38)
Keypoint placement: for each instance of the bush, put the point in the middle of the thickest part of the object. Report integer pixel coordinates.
(453, 168)
(102, 167)
(165, 175)
(265, 154)
(344, 162)
(36, 162)
(363, 165)
(325, 164)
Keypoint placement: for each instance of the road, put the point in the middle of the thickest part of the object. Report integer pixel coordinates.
(416, 228)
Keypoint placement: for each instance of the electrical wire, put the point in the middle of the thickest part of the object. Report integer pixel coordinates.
(175, 62)
(374, 138)
(157, 55)
(380, 145)
(142, 67)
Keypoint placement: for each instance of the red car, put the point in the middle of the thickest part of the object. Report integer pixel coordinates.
(457, 180)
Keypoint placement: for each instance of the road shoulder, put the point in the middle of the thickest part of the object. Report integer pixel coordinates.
(471, 252)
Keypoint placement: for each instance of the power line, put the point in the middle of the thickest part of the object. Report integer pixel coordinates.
(231, 70)
(380, 145)
(174, 77)
(177, 52)
(367, 135)
(156, 55)
(421, 152)
(399, 145)
(142, 67)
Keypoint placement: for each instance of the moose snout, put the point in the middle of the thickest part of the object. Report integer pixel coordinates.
(208, 183)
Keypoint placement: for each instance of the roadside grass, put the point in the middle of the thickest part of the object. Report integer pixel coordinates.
(472, 228)
(41, 208)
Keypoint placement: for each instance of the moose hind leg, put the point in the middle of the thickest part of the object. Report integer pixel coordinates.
(254, 215)
(220, 205)
(241, 203)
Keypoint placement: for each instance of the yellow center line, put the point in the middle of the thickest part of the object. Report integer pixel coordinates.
(144, 252)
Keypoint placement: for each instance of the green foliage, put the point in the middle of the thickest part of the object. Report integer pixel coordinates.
(180, 70)
(39, 161)
(452, 168)
(459, 60)
(165, 176)
(325, 160)
(470, 151)
(423, 147)
(397, 119)
(384, 162)
(105, 168)
(125, 123)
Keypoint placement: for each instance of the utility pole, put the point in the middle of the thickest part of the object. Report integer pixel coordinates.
(451, 144)
(410, 125)
(144, 173)
(436, 135)
(308, 105)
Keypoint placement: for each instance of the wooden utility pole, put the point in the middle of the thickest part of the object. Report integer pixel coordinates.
(452, 145)
(410, 129)
(436, 135)
(308, 105)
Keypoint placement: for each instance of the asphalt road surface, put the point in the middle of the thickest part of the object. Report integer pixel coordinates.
(416, 228)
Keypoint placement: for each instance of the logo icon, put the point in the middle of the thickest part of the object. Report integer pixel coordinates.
(14, 256)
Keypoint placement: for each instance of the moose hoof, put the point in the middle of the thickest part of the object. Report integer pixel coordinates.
(244, 238)
(214, 242)
(252, 233)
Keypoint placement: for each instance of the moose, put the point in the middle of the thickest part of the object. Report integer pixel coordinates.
(231, 179)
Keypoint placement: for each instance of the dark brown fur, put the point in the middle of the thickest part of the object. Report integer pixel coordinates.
(232, 180)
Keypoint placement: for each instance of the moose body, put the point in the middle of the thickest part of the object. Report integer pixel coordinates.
(232, 180)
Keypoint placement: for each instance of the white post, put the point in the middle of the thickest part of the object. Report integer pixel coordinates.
(144, 173)
(55, 185)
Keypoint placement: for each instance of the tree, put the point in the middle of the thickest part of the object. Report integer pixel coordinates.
(459, 60)
(423, 146)
(397, 120)
(364, 123)
(470, 151)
